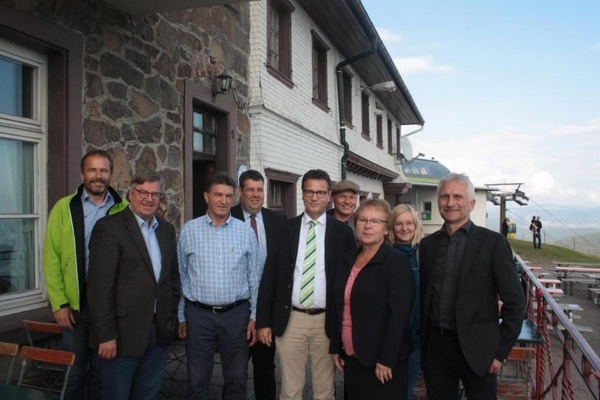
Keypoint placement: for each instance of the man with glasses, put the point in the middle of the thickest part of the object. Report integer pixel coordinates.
(133, 292)
(65, 265)
(296, 290)
(263, 222)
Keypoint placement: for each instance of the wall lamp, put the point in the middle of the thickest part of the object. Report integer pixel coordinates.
(222, 84)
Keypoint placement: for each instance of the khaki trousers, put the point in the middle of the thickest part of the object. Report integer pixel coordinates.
(305, 338)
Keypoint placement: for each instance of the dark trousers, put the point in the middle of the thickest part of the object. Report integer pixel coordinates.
(360, 382)
(263, 362)
(444, 365)
(77, 341)
(207, 330)
(135, 378)
(537, 240)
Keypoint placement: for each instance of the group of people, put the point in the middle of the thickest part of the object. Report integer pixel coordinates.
(357, 289)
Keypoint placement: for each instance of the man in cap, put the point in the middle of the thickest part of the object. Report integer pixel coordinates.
(344, 195)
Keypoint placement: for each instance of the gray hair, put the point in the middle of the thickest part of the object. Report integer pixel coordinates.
(455, 177)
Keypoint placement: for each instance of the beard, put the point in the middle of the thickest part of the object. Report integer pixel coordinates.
(91, 189)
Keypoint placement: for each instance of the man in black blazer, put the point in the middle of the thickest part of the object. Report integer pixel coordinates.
(264, 222)
(292, 303)
(133, 293)
(465, 271)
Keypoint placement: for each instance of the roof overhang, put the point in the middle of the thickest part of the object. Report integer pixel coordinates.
(349, 27)
(364, 167)
(143, 7)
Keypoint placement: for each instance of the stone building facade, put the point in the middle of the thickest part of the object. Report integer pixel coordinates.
(90, 76)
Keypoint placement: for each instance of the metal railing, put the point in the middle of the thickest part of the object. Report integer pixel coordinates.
(553, 377)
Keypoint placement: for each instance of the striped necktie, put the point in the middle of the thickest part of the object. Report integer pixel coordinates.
(307, 290)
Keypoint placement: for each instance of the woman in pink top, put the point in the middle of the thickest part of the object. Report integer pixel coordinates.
(373, 293)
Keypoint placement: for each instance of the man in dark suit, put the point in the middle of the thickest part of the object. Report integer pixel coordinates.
(263, 222)
(296, 289)
(465, 270)
(133, 292)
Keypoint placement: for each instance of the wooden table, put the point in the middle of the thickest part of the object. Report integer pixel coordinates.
(550, 283)
(570, 270)
(593, 276)
(22, 393)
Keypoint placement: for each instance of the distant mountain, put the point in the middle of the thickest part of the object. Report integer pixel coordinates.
(559, 222)
(588, 244)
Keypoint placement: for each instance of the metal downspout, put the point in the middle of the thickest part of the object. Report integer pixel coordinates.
(340, 87)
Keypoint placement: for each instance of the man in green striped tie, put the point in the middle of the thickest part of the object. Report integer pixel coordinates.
(295, 290)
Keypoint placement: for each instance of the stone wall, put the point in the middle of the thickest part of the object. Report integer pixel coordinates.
(133, 80)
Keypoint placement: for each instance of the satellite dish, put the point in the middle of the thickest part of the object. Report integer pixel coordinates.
(406, 148)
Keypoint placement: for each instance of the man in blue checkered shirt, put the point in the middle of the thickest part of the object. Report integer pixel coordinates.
(220, 274)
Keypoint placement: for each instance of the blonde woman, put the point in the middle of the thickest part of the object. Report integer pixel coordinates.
(408, 232)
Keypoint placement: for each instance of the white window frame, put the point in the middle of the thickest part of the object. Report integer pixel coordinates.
(32, 130)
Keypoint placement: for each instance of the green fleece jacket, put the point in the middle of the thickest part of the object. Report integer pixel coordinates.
(64, 250)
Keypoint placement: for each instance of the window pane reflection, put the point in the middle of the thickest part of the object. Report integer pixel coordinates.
(16, 177)
(16, 255)
(16, 81)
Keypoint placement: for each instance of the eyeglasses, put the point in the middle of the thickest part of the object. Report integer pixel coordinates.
(374, 222)
(310, 193)
(144, 194)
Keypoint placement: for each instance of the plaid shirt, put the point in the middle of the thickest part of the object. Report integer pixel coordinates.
(218, 264)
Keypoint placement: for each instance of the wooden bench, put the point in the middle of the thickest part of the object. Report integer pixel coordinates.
(570, 282)
(593, 294)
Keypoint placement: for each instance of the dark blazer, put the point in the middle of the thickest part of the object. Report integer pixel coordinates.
(487, 271)
(276, 285)
(122, 289)
(380, 304)
(271, 221)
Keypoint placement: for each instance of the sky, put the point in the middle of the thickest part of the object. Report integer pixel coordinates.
(510, 92)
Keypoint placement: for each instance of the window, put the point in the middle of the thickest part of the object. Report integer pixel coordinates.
(205, 133)
(23, 149)
(364, 101)
(319, 71)
(281, 187)
(347, 84)
(389, 137)
(279, 40)
(379, 129)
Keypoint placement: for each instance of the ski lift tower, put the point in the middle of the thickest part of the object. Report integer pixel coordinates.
(506, 192)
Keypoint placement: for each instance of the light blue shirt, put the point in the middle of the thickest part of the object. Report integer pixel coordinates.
(149, 234)
(91, 214)
(262, 234)
(218, 265)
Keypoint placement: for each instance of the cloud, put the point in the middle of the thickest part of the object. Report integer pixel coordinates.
(595, 47)
(410, 65)
(388, 36)
(553, 171)
(590, 128)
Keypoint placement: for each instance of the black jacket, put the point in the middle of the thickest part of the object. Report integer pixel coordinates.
(380, 304)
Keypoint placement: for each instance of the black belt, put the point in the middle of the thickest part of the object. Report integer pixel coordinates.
(309, 311)
(444, 332)
(218, 309)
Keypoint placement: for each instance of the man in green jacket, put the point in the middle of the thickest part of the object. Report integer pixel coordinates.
(65, 264)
